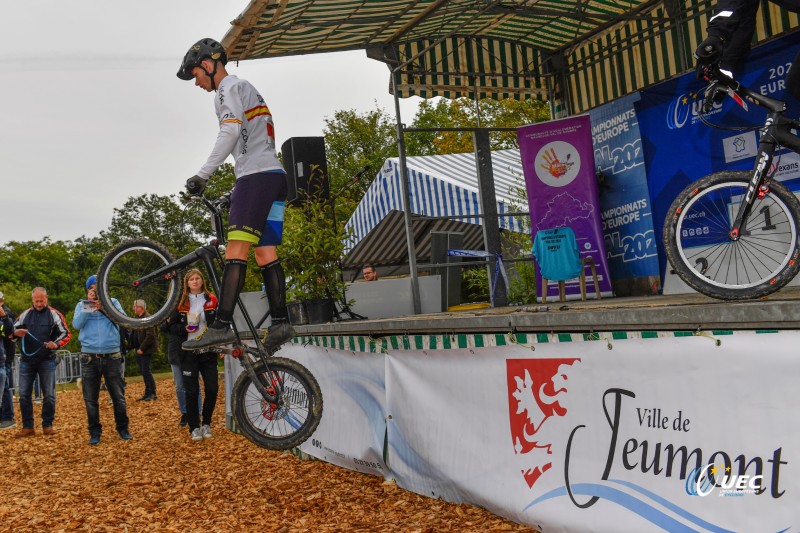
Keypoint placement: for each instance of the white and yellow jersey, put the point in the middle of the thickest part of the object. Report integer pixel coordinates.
(245, 130)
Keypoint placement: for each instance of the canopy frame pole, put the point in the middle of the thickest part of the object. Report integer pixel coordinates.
(488, 206)
(412, 251)
(477, 108)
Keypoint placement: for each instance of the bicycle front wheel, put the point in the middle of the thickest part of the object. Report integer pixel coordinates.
(125, 276)
(290, 421)
(698, 244)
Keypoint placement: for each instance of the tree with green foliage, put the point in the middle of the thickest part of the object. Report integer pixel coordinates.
(46, 263)
(311, 250)
(353, 141)
(462, 113)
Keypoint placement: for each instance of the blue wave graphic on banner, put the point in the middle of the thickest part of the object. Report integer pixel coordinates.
(631, 503)
(680, 511)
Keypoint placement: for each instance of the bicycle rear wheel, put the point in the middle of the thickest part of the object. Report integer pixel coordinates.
(284, 425)
(696, 238)
(123, 277)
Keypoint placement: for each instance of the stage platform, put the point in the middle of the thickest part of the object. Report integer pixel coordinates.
(688, 312)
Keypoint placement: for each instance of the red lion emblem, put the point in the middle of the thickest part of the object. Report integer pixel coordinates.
(535, 387)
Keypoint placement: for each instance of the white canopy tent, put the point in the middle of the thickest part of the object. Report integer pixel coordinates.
(439, 186)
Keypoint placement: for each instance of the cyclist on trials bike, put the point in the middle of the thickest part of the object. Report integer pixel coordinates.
(247, 132)
(730, 32)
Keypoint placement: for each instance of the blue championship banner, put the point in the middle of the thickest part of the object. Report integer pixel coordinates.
(624, 198)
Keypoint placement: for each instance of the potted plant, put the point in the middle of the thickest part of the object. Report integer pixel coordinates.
(311, 250)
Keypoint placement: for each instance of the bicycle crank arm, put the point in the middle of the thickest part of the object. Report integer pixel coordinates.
(234, 351)
(237, 351)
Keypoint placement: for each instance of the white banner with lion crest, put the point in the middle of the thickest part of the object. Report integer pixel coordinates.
(677, 433)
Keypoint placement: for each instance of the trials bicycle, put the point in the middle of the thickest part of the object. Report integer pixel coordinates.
(277, 402)
(733, 235)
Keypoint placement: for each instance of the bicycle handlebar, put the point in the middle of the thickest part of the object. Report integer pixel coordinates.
(722, 82)
(220, 204)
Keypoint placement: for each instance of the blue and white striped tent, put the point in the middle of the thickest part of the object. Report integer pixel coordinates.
(440, 185)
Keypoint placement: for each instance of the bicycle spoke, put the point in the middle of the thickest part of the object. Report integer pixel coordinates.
(291, 418)
(117, 282)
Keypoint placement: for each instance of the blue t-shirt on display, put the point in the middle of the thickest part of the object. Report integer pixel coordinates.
(556, 251)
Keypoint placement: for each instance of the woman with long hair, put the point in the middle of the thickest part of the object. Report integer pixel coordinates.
(195, 313)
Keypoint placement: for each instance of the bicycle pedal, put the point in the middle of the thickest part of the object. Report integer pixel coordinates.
(234, 351)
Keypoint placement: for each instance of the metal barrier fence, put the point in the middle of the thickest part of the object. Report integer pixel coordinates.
(69, 367)
(67, 371)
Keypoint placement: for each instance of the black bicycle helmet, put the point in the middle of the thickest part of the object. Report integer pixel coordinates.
(203, 49)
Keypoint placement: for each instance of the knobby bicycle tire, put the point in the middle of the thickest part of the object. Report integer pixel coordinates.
(272, 426)
(123, 265)
(760, 262)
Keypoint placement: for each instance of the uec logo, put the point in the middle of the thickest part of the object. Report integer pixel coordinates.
(684, 107)
(701, 482)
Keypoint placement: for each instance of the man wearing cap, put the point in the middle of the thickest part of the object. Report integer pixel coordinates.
(41, 331)
(100, 358)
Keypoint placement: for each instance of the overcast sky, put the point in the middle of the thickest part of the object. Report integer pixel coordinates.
(93, 112)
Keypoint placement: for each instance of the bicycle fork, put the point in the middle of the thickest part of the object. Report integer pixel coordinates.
(271, 392)
(758, 186)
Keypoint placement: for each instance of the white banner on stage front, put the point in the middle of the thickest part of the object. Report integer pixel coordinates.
(353, 427)
(682, 433)
(580, 437)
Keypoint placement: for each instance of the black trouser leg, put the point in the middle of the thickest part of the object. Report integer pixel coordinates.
(116, 389)
(191, 386)
(208, 369)
(91, 371)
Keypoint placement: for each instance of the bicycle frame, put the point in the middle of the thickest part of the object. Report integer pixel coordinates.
(775, 132)
(210, 255)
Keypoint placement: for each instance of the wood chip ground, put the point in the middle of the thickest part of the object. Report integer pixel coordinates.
(163, 481)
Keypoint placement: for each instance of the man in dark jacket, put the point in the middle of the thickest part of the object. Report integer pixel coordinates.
(145, 342)
(6, 329)
(9, 347)
(41, 330)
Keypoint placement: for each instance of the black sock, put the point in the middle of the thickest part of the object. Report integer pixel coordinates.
(275, 284)
(232, 283)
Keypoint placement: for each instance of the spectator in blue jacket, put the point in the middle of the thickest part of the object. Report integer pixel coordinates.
(100, 357)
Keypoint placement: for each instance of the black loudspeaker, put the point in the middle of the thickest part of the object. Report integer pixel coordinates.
(441, 241)
(306, 169)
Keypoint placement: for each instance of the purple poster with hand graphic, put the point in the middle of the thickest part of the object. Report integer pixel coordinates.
(558, 164)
